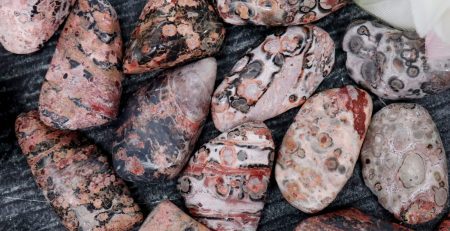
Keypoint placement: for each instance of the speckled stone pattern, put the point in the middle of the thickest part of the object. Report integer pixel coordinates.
(27, 24)
(75, 177)
(347, 220)
(280, 74)
(321, 147)
(276, 12)
(173, 32)
(225, 183)
(391, 63)
(162, 122)
(82, 87)
(404, 163)
(168, 217)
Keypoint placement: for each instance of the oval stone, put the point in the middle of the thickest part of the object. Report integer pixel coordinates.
(225, 183)
(392, 63)
(280, 74)
(321, 147)
(404, 163)
(162, 121)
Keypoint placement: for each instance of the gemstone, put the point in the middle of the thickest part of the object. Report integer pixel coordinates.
(321, 147)
(173, 32)
(280, 74)
(27, 25)
(392, 63)
(162, 121)
(75, 177)
(225, 182)
(82, 87)
(404, 163)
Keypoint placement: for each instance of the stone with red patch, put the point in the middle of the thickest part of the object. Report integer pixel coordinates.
(26, 25)
(347, 220)
(225, 183)
(321, 147)
(404, 163)
(162, 121)
(173, 32)
(82, 87)
(75, 177)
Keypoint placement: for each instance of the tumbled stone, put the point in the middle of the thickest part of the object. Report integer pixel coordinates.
(321, 147)
(346, 220)
(392, 63)
(26, 25)
(75, 177)
(276, 12)
(173, 32)
(82, 87)
(225, 182)
(280, 74)
(162, 121)
(445, 224)
(404, 163)
(168, 217)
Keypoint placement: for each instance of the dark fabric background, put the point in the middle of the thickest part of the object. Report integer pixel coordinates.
(23, 206)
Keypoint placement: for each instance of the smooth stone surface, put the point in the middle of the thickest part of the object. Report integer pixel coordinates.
(321, 147)
(224, 184)
(347, 220)
(404, 163)
(280, 74)
(82, 87)
(162, 121)
(173, 32)
(27, 24)
(168, 217)
(392, 63)
(276, 12)
(76, 178)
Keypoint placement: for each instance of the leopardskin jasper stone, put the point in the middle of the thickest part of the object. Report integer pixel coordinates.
(404, 163)
(276, 12)
(347, 220)
(75, 177)
(168, 217)
(82, 87)
(321, 147)
(170, 32)
(280, 74)
(27, 24)
(224, 185)
(162, 121)
(392, 63)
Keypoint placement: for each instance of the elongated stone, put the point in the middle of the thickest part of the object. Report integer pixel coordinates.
(321, 147)
(26, 25)
(276, 12)
(404, 163)
(346, 220)
(162, 122)
(168, 217)
(75, 177)
(225, 183)
(82, 87)
(173, 32)
(280, 74)
(392, 63)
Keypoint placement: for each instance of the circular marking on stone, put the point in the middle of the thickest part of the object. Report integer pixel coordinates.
(240, 105)
(440, 196)
(413, 71)
(301, 153)
(437, 176)
(331, 164)
(355, 44)
(293, 98)
(185, 185)
(341, 169)
(292, 2)
(378, 186)
(289, 19)
(278, 59)
(412, 170)
(363, 30)
(222, 188)
(325, 140)
(242, 155)
(369, 72)
(169, 30)
(396, 84)
(252, 70)
(337, 152)
(367, 161)
(228, 155)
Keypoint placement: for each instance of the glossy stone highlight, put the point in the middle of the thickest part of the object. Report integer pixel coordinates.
(280, 74)
(225, 182)
(392, 63)
(26, 25)
(75, 177)
(162, 121)
(404, 163)
(173, 32)
(321, 147)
